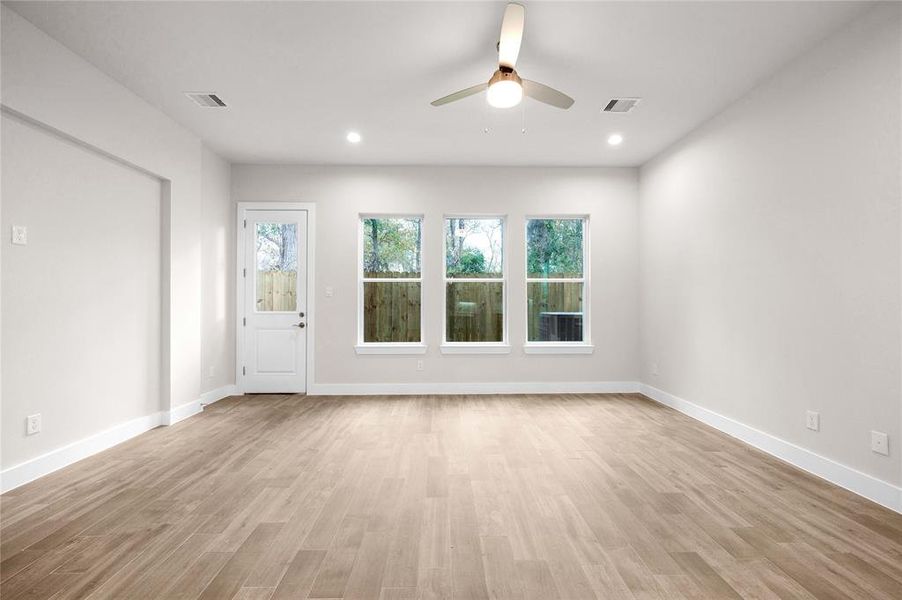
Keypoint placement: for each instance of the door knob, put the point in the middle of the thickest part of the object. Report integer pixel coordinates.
(301, 325)
(301, 314)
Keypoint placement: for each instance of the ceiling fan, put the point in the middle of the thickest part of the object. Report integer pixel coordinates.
(506, 89)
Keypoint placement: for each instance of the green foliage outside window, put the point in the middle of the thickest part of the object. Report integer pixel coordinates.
(554, 248)
(474, 248)
(391, 247)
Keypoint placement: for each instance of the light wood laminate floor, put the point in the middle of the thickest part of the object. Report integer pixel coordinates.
(528, 497)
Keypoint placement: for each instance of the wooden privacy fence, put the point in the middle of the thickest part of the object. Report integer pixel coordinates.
(551, 298)
(475, 312)
(277, 290)
(391, 311)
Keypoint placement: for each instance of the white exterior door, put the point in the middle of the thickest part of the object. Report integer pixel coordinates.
(274, 324)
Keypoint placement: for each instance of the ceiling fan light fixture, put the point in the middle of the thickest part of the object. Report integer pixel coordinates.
(505, 88)
(505, 94)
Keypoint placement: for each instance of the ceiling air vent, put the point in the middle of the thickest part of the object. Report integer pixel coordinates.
(621, 105)
(206, 99)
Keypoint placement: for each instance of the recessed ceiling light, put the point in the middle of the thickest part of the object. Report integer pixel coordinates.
(354, 137)
(615, 139)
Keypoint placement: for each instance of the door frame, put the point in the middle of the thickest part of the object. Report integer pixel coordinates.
(242, 208)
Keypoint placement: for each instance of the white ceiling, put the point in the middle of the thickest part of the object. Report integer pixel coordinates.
(297, 76)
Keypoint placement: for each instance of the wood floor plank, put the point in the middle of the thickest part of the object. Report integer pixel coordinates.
(298, 579)
(536, 580)
(559, 497)
(501, 575)
(365, 580)
(467, 571)
(191, 584)
(233, 573)
(254, 593)
(339, 561)
(396, 593)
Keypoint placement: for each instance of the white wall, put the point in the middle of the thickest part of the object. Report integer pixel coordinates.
(608, 196)
(218, 274)
(770, 253)
(81, 301)
(46, 83)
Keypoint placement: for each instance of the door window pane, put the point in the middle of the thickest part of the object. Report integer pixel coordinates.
(391, 248)
(554, 248)
(554, 311)
(277, 267)
(474, 248)
(475, 311)
(391, 311)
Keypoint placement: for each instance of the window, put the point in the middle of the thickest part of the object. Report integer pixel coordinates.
(390, 294)
(474, 283)
(556, 284)
(276, 280)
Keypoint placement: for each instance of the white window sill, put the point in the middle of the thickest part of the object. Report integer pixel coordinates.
(476, 348)
(390, 348)
(558, 348)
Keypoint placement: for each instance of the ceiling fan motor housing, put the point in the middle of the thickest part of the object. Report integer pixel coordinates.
(505, 74)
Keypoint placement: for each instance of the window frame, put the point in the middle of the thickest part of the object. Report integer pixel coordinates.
(537, 347)
(363, 347)
(502, 347)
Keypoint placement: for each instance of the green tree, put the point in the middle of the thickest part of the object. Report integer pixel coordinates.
(471, 261)
(391, 246)
(555, 247)
(277, 246)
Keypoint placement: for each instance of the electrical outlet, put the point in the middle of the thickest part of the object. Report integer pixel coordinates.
(813, 420)
(211, 371)
(329, 291)
(654, 369)
(880, 443)
(33, 424)
(419, 365)
(20, 235)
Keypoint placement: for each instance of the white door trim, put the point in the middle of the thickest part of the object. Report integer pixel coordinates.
(242, 208)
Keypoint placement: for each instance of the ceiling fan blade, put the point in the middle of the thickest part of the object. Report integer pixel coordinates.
(511, 34)
(460, 95)
(548, 95)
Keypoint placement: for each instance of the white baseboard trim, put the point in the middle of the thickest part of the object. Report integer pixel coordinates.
(877, 490)
(54, 460)
(406, 389)
(218, 394)
(180, 413)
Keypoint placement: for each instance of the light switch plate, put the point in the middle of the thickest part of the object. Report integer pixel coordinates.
(880, 443)
(329, 291)
(20, 235)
